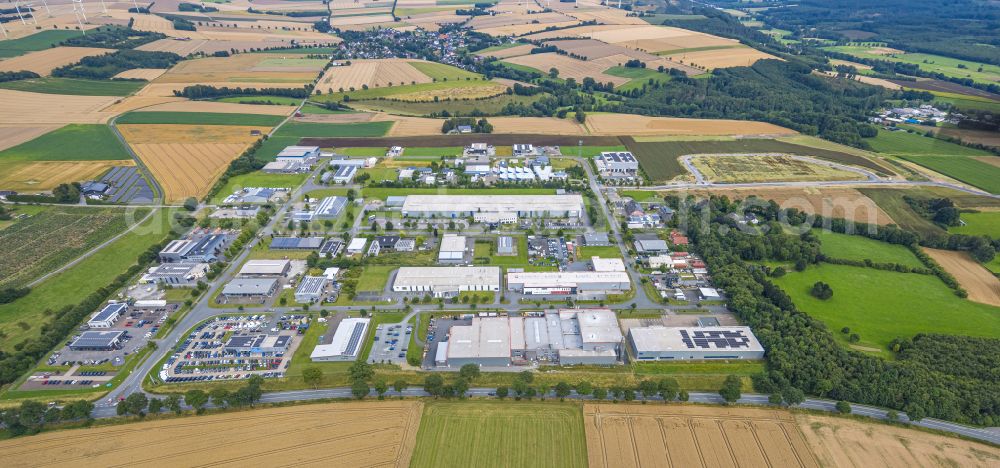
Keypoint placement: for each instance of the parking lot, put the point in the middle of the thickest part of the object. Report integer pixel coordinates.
(236, 347)
(139, 325)
(391, 343)
(437, 332)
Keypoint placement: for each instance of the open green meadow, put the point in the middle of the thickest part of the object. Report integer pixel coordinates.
(321, 130)
(488, 106)
(853, 247)
(74, 142)
(17, 210)
(639, 76)
(500, 47)
(443, 72)
(905, 143)
(259, 179)
(38, 41)
(500, 434)
(609, 251)
(75, 86)
(434, 153)
(70, 286)
(983, 223)
(374, 278)
(891, 201)
(966, 169)
(362, 152)
(200, 118)
(272, 100)
(522, 68)
(955, 68)
(881, 305)
(270, 148)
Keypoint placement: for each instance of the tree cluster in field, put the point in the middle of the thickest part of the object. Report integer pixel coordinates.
(17, 75)
(471, 12)
(940, 210)
(478, 126)
(801, 351)
(213, 92)
(185, 6)
(114, 37)
(964, 356)
(108, 65)
(182, 24)
(9, 295)
(821, 290)
(66, 320)
(31, 417)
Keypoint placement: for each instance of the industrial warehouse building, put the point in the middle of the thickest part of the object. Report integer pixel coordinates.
(250, 288)
(464, 206)
(203, 249)
(345, 344)
(446, 281)
(265, 268)
(176, 274)
(330, 207)
(310, 289)
(296, 243)
(566, 337)
(660, 343)
(98, 341)
(583, 284)
(106, 317)
(453, 249)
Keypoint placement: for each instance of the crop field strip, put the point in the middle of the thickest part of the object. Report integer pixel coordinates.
(368, 434)
(437, 141)
(676, 436)
(43, 62)
(22, 107)
(36, 176)
(980, 283)
(52, 238)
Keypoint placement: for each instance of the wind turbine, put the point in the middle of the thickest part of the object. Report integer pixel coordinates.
(17, 7)
(79, 11)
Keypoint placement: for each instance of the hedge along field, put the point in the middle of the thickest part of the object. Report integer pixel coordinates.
(75, 142)
(500, 434)
(38, 41)
(660, 158)
(881, 305)
(200, 118)
(75, 87)
(963, 168)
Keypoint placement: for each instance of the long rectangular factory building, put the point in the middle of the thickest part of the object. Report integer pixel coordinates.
(659, 343)
(446, 281)
(582, 284)
(464, 206)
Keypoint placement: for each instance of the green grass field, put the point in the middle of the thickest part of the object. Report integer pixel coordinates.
(74, 142)
(75, 87)
(434, 153)
(269, 150)
(853, 247)
(966, 169)
(984, 223)
(259, 179)
(199, 118)
(891, 201)
(490, 106)
(523, 68)
(905, 143)
(442, 72)
(500, 434)
(320, 130)
(929, 62)
(609, 251)
(590, 151)
(362, 152)
(374, 93)
(38, 41)
(966, 102)
(275, 100)
(499, 47)
(639, 76)
(374, 277)
(16, 210)
(70, 286)
(882, 305)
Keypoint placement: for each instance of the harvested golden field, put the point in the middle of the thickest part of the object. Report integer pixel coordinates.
(163, 133)
(236, 68)
(182, 48)
(638, 125)
(606, 16)
(510, 51)
(38, 176)
(44, 61)
(829, 202)
(486, 22)
(569, 67)
(148, 74)
(13, 135)
(221, 108)
(187, 159)
(722, 58)
(21, 107)
(847, 442)
(139, 101)
(533, 125)
(980, 283)
(455, 93)
(374, 73)
(777, 168)
(410, 126)
(522, 29)
(331, 434)
(360, 20)
(685, 436)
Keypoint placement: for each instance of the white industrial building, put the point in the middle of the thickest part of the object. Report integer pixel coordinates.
(674, 343)
(617, 164)
(583, 284)
(176, 274)
(330, 207)
(106, 317)
(453, 248)
(463, 206)
(607, 264)
(347, 341)
(446, 281)
(250, 288)
(284, 167)
(344, 174)
(310, 289)
(304, 155)
(265, 268)
(357, 246)
(567, 337)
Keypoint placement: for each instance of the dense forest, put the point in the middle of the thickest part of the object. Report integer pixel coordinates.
(212, 92)
(114, 37)
(108, 65)
(801, 351)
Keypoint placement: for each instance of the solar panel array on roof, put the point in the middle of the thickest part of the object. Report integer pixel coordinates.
(296, 242)
(718, 339)
(355, 340)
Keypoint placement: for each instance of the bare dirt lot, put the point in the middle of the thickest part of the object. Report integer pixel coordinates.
(638, 125)
(334, 434)
(43, 61)
(977, 280)
(846, 442)
(692, 436)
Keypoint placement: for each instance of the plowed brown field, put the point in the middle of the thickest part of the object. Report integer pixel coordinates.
(334, 434)
(974, 278)
(693, 436)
